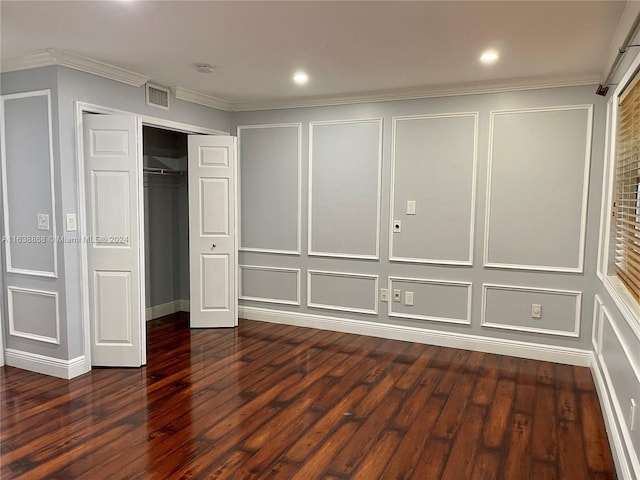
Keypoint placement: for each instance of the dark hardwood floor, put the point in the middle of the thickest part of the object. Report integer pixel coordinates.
(280, 402)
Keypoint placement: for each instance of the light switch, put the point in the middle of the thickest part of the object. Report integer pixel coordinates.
(408, 298)
(411, 207)
(72, 225)
(43, 221)
(384, 294)
(536, 310)
(396, 296)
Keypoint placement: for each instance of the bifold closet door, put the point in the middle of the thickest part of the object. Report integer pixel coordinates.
(213, 258)
(112, 183)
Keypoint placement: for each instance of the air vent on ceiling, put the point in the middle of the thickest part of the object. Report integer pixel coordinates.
(157, 96)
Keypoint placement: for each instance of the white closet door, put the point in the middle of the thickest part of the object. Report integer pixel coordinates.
(213, 259)
(113, 248)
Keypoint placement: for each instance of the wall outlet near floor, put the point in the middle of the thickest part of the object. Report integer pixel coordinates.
(384, 294)
(396, 296)
(408, 298)
(536, 310)
(43, 221)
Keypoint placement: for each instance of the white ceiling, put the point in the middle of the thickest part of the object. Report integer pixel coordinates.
(345, 47)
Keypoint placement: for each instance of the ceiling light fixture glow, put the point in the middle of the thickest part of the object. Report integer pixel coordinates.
(488, 57)
(300, 78)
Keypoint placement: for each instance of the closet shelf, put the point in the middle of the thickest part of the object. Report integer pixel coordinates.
(162, 171)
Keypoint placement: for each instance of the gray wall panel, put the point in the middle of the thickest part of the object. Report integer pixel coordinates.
(28, 159)
(347, 292)
(270, 285)
(33, 314)
(537, 182)
(269, 187)
(510, 307)
(344, 192)
(434, 165)
(433, 300)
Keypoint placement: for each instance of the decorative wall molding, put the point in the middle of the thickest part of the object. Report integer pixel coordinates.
(562, 333)
(296, 271)
(596, 327)
(395, 120)
(605, 201)
(15, 332)
(585, 190)
(618, 422)
(34, 362)
(499, 346)
(6, 210)
(609, 412)
(299, 217)
(325, 273)
(192, 96)
(310, 250)
(424, 281)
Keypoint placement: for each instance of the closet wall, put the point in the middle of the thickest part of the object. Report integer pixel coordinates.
(166, 211)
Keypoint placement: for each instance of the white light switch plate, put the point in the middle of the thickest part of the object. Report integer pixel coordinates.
(536, 310)
(408, 298)
(72, 224)
(396, 296)
(43, 221)
(411, 207)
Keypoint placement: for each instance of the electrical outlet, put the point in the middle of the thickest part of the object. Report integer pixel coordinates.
(632, 415)
(43, 221)
(397, 226)
(536, 310)
(408, 298)
(384, 294)
(396, 296)
(72, 224)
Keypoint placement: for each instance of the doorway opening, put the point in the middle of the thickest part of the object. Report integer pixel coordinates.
(166, 221)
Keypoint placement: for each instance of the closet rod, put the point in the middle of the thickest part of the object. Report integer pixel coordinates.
(161, 171)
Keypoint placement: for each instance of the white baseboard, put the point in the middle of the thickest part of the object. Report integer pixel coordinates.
(166, 309)
(616, 438)
(500, 346)
(46, 365)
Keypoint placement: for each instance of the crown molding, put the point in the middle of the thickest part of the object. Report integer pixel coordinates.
(412, 93)
(54, 56)
(35, 60)
(96, 67)
(201, 98)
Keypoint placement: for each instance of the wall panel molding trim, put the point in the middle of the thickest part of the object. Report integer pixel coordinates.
(316, 253)
(397, 258)
(623, 433)
(585, 190)
(424, 281)
(295, 271)
(6, 209)
(372, 311)
(299, 213)
(562, 333)
(609, 412)
(535, 351)
(15, 332)
(596, 327)
(33, 362)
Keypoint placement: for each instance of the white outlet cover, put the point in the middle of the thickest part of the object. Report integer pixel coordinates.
(43, 221)
(384, 294)
(536, 310)
(396, 295)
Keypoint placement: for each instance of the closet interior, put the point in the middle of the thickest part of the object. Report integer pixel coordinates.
(166, 221)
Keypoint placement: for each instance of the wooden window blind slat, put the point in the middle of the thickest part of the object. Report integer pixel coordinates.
(627, 222)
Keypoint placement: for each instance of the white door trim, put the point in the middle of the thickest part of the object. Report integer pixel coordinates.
(80, 109)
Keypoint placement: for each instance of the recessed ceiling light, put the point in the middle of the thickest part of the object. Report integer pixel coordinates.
(488, 57)
(300, 78)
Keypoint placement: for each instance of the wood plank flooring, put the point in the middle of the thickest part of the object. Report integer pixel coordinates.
(267, 401)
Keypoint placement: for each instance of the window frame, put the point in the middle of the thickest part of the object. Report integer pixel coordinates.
(628, 305)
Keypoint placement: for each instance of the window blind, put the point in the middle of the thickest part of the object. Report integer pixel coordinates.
(627, 211)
